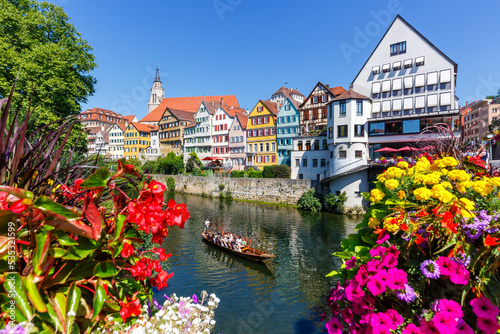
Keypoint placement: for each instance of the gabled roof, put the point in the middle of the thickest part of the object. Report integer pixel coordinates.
(103, 111)
(211, 106)
(243, 119)
(182, 114)
(334, 91)
(105, 136)
(350, 94)
(231, 111)
(287, 91)
(119, 125)
(416, 32)
(141, 127)
(189, 103)
(128, 118)
(337, 90)
(271, 106)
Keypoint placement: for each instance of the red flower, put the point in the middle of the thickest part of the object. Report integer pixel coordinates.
(448, 221)
(156, 187)
(128, 249)
(420, 240)
(491, 241)
(160, 281)
(161, 253)
(20, 205)
(131, 308)
(422, 213)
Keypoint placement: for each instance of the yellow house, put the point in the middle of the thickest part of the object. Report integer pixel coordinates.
(136, 139)
(261, 135)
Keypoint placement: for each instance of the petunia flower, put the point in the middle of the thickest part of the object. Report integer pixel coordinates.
(334, 326)
(447, 267)
(376, 285)
(461, 276)
(444, 322)
(397, 279)
(411, 329)
(463, 328)
(483, 308)
(487, 325)
(350, 263)
(452, 307)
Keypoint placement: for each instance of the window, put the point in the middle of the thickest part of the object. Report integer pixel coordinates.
(377, 129)
(358, 154)
(297, 162)
(315, 162)
(375, 70)
(398, 48)
(359, 130)
(408, 63)
(325, 145)
(330, 132)
(301, 176)
(419, 61)
(315, 99)
(323, 162)
(386, 68)
(342, 154)
(260, 108)
(359, 108)
(342, 106)
(396, 66)
(299, 146)
(304, 162)
(324, 98)
(494, 110)
(342, 131)
(308, 145)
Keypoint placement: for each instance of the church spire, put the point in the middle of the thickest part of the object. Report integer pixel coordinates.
(157, 78)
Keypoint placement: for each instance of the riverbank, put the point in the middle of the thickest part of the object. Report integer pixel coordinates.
(272, 191)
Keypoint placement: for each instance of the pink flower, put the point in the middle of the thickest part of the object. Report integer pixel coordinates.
(347, 315)
(373, 266)
(367, 303)
(428, 327)
(334, 326)
(350, 263)
(460, 276)
(452, 307)
(444, 322)
(396, 318)
(376, 285)
(463, 328)
(489, 326)
(411, 329)
(389, 261)
(377, 251)
(397, 279)
(353, 292)
(381, 323)
(362, 276)
(382, 238)
(447, 267)
(483, 308)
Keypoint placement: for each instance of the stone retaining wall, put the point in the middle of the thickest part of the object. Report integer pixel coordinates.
(285, 191)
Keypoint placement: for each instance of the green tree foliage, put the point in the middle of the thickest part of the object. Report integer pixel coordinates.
(170, 183)
(171, 164)
(238, 173)
(336, 203)
(310, 201)
(255, 173)
(150, 167)
(277, 171)
(193, 162)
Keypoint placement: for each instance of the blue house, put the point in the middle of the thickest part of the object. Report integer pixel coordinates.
(288, 127)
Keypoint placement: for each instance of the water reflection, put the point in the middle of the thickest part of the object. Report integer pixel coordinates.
(284, 295)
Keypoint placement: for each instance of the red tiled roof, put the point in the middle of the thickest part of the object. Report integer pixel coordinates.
(243, 118)
(337, 90)
(287, 91)
(104, 111)
(182, 114)
(129, 118)
(190, 103)
(233, 111)
(350, 94)
(271, 106)
(141, 127)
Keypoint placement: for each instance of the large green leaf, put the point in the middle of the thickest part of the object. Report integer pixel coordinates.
(42, 250)
(47, 205)
(84, 248)
(99, 299)
(34, 294)
(97, 180)
(119, 224)
(13, 283)
(64, 239)
(107, 269)
(74, 295)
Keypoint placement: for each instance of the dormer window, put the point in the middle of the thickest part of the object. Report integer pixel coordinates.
(408, 63)
(375, 70)
(419, 61)
(396, 66)
(386, 68)
(398, 48)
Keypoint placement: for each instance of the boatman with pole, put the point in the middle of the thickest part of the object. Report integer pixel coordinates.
(207, 226)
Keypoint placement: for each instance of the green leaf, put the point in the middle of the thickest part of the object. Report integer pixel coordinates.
(332, 274)
(60, 302)
(18, 192)
(97, 180)
(368, 240)
(57, 252)
(47, 205)
(13, 283)
(119, 224)
(345, 255)
(361, 250)
(74, 295)
(380, 214)
(84, 248)
(64, 239)
(106, 269)
(99, 299)
(34, 294)
(41, 251)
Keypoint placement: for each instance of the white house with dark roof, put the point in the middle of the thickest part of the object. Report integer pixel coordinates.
(283, 93)
(198, 137)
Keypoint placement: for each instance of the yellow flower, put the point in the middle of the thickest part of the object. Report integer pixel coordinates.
(458, 175)
(391, 225)
(494, 181)
(482, 187)
(410, 171)
(401, 194)
(463, 186)
(450, 161)
(447, 184)
(402, 164)
(376, 195)
(439, 163)
(422, 194)
(432, 178)
(393, 172)
(50, 182)
(391, 184)
(440, 193)
(467, 203)
(422, 165)
(373, 222)
(444, 171)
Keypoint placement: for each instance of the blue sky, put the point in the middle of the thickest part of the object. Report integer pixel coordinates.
(250, 48)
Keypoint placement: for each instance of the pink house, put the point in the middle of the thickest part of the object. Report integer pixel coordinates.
(237, 141)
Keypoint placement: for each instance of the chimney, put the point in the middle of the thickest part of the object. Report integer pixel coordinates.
(213, 103)
(221, 101)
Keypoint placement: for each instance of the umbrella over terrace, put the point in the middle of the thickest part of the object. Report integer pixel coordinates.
(407, 149)
(387, 149)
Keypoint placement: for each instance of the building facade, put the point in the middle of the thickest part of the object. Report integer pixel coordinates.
(237, 141)
(261, 135)
(137, 139)
(283, 93)
(478, 118)
(309, 158)
(172, 126)
(157, 92)
(152, 152)
(198, 136)
(287, 128)
(116, 141)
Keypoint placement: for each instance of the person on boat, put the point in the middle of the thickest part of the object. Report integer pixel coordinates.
(238, 243)
(207, 226)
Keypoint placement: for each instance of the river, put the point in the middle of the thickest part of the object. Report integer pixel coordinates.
(284, 295)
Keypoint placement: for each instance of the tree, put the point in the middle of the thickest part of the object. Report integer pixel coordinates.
(171, 164)
(193, 162)
(52, 59)
(492, 97)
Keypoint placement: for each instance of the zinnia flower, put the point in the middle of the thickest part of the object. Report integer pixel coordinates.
(430, 269)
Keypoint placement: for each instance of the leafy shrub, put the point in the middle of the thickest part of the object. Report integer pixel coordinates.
(268, 172)
(171, 165)
(229, 195)
(238, 173)
(255, 173)
(310, 201)
(221, 187)
(282, 171)
(425, 255)
(170, 183)
(336, 203)
(196, 171)
(193, 162)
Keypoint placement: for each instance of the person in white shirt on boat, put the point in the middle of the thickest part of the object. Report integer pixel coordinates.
(238, 243)
(207, 226)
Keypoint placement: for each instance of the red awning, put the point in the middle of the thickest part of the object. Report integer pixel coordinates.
(386, 149)
(212, 158)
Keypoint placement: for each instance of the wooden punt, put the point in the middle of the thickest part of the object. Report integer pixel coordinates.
(246, 252)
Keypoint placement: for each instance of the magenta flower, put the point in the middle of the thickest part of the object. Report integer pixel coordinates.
(396, 318)
(362, 276)
(347, 315)
(382, 238)
(483, 308)
(381, 323)
(195, 299)
(376, 285)
(350, 263)
(389, 261)
(367, 303)
(428, 327)
(444, 322)
(353, 292)
(488, 326)
(463, 328)
(447, 267)
(377, 251)
(461, 276)
(452, 307)
(373, 266)
(397, 279)
(334, 326)
(411, 329)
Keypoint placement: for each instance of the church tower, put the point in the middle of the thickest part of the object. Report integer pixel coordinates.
(157, 92)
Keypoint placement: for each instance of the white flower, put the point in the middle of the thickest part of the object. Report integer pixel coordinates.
(212, 322)
(211, 303)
